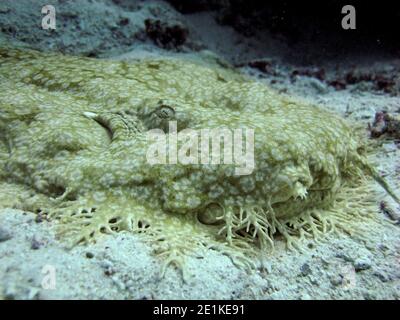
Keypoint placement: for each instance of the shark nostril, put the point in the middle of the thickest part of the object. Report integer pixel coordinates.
(118, 125)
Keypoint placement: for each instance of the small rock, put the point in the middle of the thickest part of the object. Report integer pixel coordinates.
(318, 86)
(108, 267)
(166, 35)
(305, 269)
(4, 235)
(36, 244)
(40, 218)
(361, 265)
(336, 281)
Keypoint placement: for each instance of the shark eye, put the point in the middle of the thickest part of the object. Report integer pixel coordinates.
(165, 112)
(161, 117)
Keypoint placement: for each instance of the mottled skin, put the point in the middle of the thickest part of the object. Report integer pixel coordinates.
(91, 171)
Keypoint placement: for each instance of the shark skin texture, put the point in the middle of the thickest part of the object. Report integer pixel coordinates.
(73, 149)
